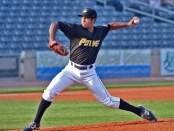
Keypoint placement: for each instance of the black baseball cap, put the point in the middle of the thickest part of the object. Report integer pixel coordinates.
(89, 13)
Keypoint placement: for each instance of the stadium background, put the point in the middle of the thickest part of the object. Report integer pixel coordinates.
(145, 51)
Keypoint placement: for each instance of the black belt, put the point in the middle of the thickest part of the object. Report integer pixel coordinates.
(82, 67)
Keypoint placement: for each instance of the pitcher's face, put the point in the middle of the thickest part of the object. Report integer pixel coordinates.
(87, 22)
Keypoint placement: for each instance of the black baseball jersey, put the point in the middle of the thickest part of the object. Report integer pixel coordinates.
(84, 45)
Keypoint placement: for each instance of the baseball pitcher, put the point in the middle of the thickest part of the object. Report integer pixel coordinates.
(85, 42)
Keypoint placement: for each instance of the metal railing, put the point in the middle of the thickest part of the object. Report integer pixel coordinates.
(152, 15)
(149, 15)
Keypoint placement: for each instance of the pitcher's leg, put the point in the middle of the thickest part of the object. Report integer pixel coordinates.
(98, 89)
(59, 83)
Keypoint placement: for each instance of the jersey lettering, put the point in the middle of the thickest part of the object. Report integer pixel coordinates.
(90, 43)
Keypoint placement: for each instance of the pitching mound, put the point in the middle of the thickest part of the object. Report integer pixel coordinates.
(161, 125)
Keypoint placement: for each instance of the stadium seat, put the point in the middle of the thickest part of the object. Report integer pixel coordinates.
(23, 20)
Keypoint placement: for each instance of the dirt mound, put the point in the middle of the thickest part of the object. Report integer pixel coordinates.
(161, 125)
(148, 93)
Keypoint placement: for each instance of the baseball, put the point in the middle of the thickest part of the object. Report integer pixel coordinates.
(136, 21)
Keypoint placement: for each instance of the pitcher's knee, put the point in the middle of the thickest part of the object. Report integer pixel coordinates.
(48, 95)
(112, 102)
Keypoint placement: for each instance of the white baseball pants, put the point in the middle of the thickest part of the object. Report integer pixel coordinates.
(70, 75)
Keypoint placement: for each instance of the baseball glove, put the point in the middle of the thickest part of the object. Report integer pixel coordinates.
(58, 49)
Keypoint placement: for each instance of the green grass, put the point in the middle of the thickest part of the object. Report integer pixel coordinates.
(21, 90)
(81, 87)
(16, 114)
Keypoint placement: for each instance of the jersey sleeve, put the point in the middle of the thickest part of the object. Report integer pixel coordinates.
(67, 28)
(105, 30)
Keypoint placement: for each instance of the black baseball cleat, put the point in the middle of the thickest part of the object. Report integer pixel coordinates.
(32, 126)
(147, 114)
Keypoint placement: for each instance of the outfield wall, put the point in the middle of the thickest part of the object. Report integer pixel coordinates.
(167, 62)
(109, 64)
(9, 66)
(44, 65)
